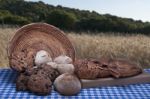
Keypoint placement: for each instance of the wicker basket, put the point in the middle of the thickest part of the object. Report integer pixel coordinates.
(41, 36)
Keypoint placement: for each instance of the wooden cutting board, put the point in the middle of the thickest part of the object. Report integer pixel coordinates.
(141, 78)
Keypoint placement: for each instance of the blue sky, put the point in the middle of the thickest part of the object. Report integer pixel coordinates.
(136, 9)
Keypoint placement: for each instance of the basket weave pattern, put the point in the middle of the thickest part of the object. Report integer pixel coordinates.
(39, 36)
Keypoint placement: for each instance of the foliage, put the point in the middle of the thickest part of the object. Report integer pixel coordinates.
(23, 12)
(7, 18)
(61, 19)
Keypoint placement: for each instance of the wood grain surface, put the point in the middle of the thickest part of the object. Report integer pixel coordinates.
(141, 78)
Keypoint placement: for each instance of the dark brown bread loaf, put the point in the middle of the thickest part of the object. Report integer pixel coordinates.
(39, 84)
(44, 69)
(21, 82)
(102, 67)
(105, 67)
(37, 79)
(90, 69)
(85, 69)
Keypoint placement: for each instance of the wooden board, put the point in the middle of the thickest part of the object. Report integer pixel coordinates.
(141, 78)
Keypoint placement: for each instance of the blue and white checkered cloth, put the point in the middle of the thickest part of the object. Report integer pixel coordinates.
(137, 91)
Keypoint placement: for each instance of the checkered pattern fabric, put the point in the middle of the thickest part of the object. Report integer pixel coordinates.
(137, 91)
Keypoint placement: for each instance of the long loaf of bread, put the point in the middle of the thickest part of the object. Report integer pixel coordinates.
(102, 68)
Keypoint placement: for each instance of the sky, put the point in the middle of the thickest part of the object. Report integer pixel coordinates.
(136, 9)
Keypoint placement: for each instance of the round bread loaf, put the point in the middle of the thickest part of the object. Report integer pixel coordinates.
(39, 84)
(67, 84)
(21, 82)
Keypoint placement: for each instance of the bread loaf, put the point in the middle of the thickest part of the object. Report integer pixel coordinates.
(105, 67)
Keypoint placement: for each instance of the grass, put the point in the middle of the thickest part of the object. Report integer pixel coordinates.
(5, 35)
(133, 47)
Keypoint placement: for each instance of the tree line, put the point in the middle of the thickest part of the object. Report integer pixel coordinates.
(22, 12)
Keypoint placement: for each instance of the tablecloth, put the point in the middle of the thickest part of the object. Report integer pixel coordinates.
(135, 91)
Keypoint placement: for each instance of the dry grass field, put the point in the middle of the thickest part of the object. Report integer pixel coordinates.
(133, 47)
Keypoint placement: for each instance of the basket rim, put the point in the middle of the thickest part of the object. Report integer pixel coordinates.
(12, 39)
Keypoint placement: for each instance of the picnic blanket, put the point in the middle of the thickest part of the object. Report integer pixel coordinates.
(138, 91)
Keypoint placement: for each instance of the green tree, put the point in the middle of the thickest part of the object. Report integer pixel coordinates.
(7, 18)
(61, 19)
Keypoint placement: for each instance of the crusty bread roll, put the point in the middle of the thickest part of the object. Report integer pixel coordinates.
(42, 57)
(63, 59)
